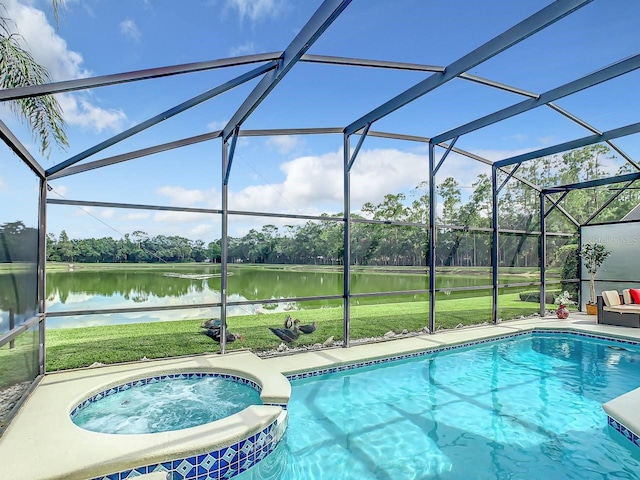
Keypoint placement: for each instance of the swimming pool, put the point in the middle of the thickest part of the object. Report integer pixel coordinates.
(527, 407)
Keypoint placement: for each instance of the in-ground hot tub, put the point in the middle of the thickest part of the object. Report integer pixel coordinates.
(217, 449)
(164, 403)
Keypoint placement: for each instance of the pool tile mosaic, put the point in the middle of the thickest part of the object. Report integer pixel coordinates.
(624, 431)
(350, 366)
(215, 465)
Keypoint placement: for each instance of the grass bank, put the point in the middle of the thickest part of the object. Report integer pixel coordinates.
(78, 347)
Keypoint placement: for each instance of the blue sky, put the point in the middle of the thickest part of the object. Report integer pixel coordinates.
(299, 174)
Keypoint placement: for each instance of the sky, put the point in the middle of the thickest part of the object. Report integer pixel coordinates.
(297, 174)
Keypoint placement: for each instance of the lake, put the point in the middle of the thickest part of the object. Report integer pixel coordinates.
(90, 288)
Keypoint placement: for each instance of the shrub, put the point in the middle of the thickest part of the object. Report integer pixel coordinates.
(570, 269)
(534, 296)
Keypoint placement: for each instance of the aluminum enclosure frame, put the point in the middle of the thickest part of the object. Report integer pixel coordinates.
(274, 67)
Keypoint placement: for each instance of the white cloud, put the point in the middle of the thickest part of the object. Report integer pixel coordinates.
(128, 28)
(201, 231)
(82, 211)
(2, 183)
(59, 190)
(314, 184)
(79, 111)
(312, 181)
(168, 216)
(51, 51)
(247, 48)
(256, 10)
(518, 137)
(182, 196)
(215, 125)
(134, 216)
(107, 213)
(46, 46)
(285, 143)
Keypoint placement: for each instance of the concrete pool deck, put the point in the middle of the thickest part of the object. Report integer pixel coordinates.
(42, 443)
(320, 359)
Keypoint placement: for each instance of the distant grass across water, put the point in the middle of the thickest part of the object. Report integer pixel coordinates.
(79, 347)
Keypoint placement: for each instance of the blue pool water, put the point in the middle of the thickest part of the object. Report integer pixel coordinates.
(523, 408)
(167, 404)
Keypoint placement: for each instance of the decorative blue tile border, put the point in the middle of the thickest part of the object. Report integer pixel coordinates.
(624, 431)
(216, 464)
(159, 378)
(536, 332)
(626, 341)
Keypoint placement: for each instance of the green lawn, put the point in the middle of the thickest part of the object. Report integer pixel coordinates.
(78, 347)
(20, 363)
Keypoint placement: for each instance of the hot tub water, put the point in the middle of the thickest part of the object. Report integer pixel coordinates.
(167, 403)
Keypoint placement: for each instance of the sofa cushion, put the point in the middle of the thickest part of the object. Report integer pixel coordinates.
(635, 294)
(611, 298)
(626, 296)
(624, 309)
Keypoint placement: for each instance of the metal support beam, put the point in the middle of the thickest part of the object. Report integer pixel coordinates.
(358, 146)
(114, 79)
(224, 248)
(42, 262)
(572, 144)
(185, 142)
(346, 302)
(555, 203)
(431, 260)
(229, 160)
(629, 177)
(623, 154)
(494, 244)
(12, 334)
(192, 102)
(619, 68)
(573, 118)
(552, 106)
(536, 22)
(359, 62)
(500, 86)
(315, 27)
(444, 156)
(592, 129)
(135, 206)
(14, 144)
(607, 203)
(125, 157)
(509, 175)
(543, 255)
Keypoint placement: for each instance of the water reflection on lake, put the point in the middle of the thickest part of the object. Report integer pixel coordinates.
(86, 288)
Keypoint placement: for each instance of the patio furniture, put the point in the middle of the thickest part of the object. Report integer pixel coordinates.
(614, 309)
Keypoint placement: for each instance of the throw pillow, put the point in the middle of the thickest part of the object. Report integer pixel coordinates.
(635, 294)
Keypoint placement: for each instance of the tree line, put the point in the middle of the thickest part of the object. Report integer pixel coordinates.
(321, 241)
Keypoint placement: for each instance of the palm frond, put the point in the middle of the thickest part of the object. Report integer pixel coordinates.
(18, 68)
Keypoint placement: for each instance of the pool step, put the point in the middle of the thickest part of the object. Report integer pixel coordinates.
(624, 417)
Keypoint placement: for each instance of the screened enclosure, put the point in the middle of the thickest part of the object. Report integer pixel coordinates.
(382, 217)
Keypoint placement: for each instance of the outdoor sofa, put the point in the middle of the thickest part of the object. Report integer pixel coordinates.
(617, 309)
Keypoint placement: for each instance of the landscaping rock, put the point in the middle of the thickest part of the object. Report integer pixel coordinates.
(9, 396)
(328, 342)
